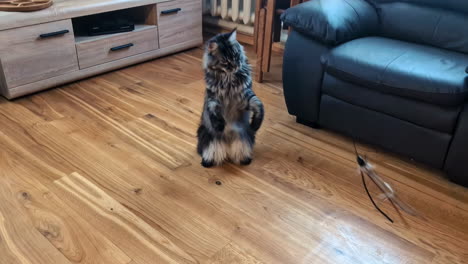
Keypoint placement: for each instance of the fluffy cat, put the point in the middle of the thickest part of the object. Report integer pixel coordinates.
(232, 113)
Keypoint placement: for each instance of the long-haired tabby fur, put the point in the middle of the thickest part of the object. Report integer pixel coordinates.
(232, 113)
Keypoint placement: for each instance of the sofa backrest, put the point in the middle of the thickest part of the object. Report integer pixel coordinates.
(454, 5)
(440, 23)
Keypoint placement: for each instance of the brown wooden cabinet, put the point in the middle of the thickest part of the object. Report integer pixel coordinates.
(54, 49)
(179, 21)
(33, 53)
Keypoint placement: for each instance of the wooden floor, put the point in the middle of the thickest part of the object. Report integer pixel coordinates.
(105, 171)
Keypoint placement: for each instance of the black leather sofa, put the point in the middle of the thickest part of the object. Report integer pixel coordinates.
(389, 73)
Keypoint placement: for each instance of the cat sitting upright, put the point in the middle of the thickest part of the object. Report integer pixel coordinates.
(232, 113)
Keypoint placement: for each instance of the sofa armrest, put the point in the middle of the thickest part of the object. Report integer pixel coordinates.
(333, 21)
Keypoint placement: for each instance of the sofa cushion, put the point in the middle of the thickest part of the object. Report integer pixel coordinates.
(426, 25)
(332, 21)
(435, 117)
(401, 68)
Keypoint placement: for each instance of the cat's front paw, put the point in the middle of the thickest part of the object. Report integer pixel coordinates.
(219, 126)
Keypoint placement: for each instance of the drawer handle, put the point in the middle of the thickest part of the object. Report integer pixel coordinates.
(170, 11)
(122, 47)
(53, 34)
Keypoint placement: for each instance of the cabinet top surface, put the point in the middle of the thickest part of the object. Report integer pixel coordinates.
(64, 9)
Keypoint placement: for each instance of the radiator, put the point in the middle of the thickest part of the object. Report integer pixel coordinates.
(230, 14)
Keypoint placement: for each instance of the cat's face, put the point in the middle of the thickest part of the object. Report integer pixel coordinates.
(223, 53)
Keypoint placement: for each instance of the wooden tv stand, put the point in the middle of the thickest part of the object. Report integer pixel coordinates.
(51, 47)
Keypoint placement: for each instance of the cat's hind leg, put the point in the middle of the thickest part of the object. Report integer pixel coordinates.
(214, 153)
(240, 151)
(211, 149)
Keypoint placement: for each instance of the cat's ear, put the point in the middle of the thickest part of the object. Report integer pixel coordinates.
(233, 35)
(212, 46)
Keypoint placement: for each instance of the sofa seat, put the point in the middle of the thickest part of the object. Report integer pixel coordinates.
(404, 69)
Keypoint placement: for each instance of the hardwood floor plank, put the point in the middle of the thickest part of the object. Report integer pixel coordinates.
(40, 216)
(420, 177)
(296, 221)
(232, 254)
(105, 206)
(346, 158)
(307, 171)
(113, 175)
(101, 113)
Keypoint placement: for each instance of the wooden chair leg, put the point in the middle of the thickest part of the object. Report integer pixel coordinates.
(258, 6)
(268, 39)
(260, 41)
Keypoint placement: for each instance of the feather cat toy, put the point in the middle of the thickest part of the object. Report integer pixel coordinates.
(366, 168)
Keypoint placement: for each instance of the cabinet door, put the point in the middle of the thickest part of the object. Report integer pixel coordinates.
(179, 21)
(38, 52)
